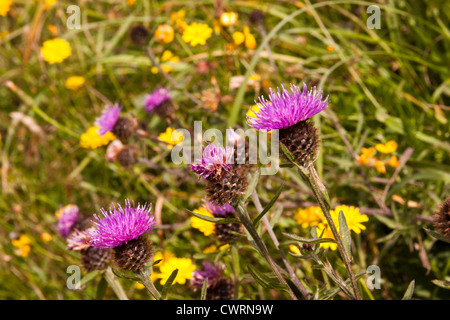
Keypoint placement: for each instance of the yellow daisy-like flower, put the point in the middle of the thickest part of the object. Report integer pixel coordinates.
(389, 147)
(92, 140)
(167, 56)
(185, 268)
(138, 286)
(56, 50)
(253, 111)
(74, 82)
(228, 19)
(5, 6)
(196, 33)
(171, 136)
(22, 245)
(353, 217)
(309, 217)
(164, 33)
(131, 2)
(327, 233)
(204, 226)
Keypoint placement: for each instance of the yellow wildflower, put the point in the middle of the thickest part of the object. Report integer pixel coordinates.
(185, 268)
(393, 162)
(171, 136)
(5, 6)
(379, 165)
(46, 237)
(389, 147)
(49, 4)
(228, 19)
(74, 82)
(23, 246)
(196, 33)
(139, 285)
(164, 33)
(56, 50)
(250, 41)
(204, 226)
(167, 56)
(177, 18)
(131, 2)
(309, 217)
(366, 155)
(294, 249)
(92, 140)
(216, 27)
(327, 233)
(238, 37)
(53, 29)
(330, 48)
(353, 217)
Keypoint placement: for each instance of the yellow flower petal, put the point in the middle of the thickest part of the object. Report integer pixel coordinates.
(56, 50)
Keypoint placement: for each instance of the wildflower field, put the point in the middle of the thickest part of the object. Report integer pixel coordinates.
(225, 150)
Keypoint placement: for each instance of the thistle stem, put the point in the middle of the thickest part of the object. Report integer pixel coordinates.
(144, 276)
(248, 225)
(114, 284)
(322, 197)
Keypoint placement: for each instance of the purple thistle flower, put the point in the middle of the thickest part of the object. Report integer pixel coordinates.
(79, 240)
(218, 211)
(154, 99)
(286, 109)
(215, 159)
(67, 217)
(121, 225)
(212, 272)
(108, 119)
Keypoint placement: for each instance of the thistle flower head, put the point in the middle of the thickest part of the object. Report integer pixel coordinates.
(79, 240)
(108, 119)
(122, 225)
(285, 109)
(214, 161)
(156, 98)
(67, 217)
(218, 211)
(212, 272)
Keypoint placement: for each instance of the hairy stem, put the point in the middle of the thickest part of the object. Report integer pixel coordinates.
(114, 284)
(248, 225)
(144, 276)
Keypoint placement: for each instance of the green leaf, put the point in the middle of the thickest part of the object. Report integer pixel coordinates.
(345, 234)
(306, 240)
(442, 283)
(213, 219)
(123, 275)
(88, 277)
(101, 289)
(264, 280)
(168, 284)
(204, 289)
(287, 153)
(268, 206)
(436, 235)
(409, 292)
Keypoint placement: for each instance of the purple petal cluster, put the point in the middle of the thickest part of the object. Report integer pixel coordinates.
(108, 119)
(215, 159)
(79, 240)
(121, 225)
(212, 272)
(154, 99)
(284, 108)
(67, 217)
(218, 211)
